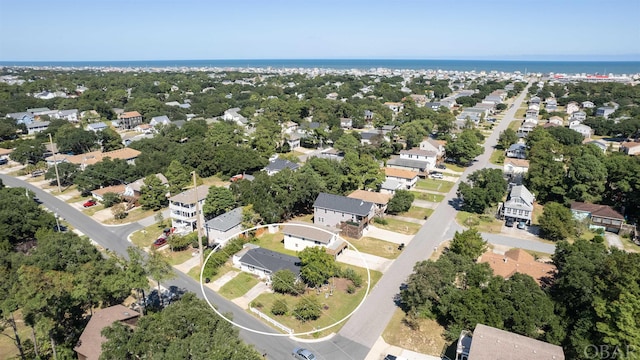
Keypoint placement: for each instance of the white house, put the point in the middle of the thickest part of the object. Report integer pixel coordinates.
(263, 263)
(37, 126)
(572, 107)
(133, 189)
(299, 236)
(407, 178)
(396, 107)
(433, 145)
(95, 127)
(70, 115)
(519, 205)
(390, 186)
(219, 229)
(515, 169)
(584, 130)
(182, 208)
(159, 120)
(277, 165)
(234, 115)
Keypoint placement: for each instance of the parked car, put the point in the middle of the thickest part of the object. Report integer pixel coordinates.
(509, 223)
(60, 228)
(3, 161)
(521, 225)
(437, 175)
(303, 354)
(89, 203)
(160, 241)
(37, 173)
(441, 166)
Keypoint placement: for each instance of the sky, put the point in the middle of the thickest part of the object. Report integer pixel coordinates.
(109, 30)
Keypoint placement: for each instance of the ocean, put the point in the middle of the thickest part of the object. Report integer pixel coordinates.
(545, 67)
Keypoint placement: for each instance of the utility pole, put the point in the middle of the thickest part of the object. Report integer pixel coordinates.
(55, 162)
(198, 224)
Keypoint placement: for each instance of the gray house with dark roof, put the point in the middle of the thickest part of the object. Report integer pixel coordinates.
(519, 206)
(264, 263)
(220, 228)
(278, 165)
(338, 211)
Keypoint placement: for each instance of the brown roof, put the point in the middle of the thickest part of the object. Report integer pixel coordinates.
(188, 196)
(90, 344)
(93, 157)
(400, 173)
(5, 151)
(309, 231)
(116, 189)
(517, 260)
(630, 144)
(597, 210)
(370, 196)
(517, 162)
(129, 114)
(489, 343)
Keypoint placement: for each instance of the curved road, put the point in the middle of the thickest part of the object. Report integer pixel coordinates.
(363, 329)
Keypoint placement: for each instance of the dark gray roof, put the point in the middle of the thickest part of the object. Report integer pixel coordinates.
(279, 164)
(271, 260)
(226, 221)
(368, 135)
(343, 204)
(409, 163)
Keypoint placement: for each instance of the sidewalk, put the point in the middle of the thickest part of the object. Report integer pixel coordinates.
(380, 349)
(244, 300)
(386, 235)
(188, 265)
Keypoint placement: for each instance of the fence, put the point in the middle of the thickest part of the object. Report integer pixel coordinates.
(270, 320)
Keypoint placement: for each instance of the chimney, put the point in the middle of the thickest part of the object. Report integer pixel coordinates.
(504, 259)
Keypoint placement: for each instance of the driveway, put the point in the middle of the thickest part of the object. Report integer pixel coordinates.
(529, 233)
(376, 263)
(387, 235)
(526, 244)
(613, 240)
(244, 300)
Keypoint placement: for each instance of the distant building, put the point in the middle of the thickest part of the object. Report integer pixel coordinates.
(89, 346)
(278, 165)
(130, 119)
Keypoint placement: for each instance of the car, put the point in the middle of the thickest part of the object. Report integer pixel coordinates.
(303, 354)
(521, 225)
(441, 166)
(437, 175)
(37, 173)
(3, 161)
(37, 201)
(60, 228)
(89, 203)
(160, 241)
(509, 223)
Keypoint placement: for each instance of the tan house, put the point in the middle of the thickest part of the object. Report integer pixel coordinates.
(299, 236)
(98, 194)
(518, 261)
(90, 344)
(630, 147)
(406, 177)
(130, 119)
(83, 160)
(380, 200)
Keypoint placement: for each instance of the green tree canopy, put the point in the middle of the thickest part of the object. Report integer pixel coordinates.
(468, 243)
(556, 222)
(400, 202)
(317, 266)
(153, 194)
(219, 200)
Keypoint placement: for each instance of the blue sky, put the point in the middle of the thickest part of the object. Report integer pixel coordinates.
(68, 30)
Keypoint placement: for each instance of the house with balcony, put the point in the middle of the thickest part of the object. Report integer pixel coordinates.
(130, 119)
(220, 229)
(519, 205)
(579, 116)
(605, 111)
(598, 216)
(407, 178)
(299, 236)
(379, 199)
(517, 151)
(182, 208)
(351, 215)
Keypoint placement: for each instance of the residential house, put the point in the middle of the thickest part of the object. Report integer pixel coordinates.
(396, 107)
(556, 120)
(433, 105)
(419, 100)
(263, 262)
(277, 165)
(448, 102)
(372, 137)
(220, 229)
(588, 105)
(233, 114)
(95, 127)
(420, 166)
(37, 126)
(551, 105)
(368, 115)
(332, 154)
(83, 160)
(133, 190)
(630, 147)
(489, 343)
(379, 199)
(406, 177)
(21, 117)
(436, 146)
(584, 130)
(40, 111)
(160, 120)
(526, 127)
(342, 212)
(429, 156)
(182, 208)
(535, 100)
(598, 216)
(515, 168)
(579, 116)
(386, 129)
(346, 123)
(289, 127)
(518, 261)
(572, 107)
(293, 140)
(98, 194)
(130, 119)
(605, 111)
(332, 96)
(299, 236)
(601, 144)
(535, 107)
(531, 114)
(473, 114)
(89, 346)
(517, 151)
(519, 205)
(70, 115)
(390, 186)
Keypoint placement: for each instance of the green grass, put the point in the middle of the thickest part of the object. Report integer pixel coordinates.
(435, 185)
(335, 307)
(455, 167)
(146, 237)
(195, 272)
(375, 247)
(90, 211)
(178, 257)
(435, 198)
(238, 286)
(417, 212)
(399, 226)
(483, 223)
(274, 242)
(497, 157)
(515, 125)
(7, 346)
(134, 215)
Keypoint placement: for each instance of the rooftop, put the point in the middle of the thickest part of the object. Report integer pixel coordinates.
(226, 221)
(189, 196)
(93, 157)
(309, 231)
(343, 204)
(597, 210)
(400, 173)
(370, 196)
(90, 344)
(518, 261)
(271, 260)
(129, 114)
(489, 343)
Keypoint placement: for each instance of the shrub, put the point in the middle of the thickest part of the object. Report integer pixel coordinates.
(110, 199)
(352, 275)
(308, 308)
(178, 242)
(279, 307)
(351, 289)
(380, 221)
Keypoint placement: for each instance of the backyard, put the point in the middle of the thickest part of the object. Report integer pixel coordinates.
(435, 185)
(482, 222)
(375, 247)
(399, 226)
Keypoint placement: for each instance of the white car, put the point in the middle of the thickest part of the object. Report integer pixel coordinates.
(437, 175)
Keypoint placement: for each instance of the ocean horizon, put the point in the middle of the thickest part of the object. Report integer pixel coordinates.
(523, 66)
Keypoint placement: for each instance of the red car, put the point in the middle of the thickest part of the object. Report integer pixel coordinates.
(160, 241)
(89, 203)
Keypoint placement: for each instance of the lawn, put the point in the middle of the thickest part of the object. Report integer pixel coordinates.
(134, 215)
(515, 125)
(455, 167)
(376, 247)
(399, 226)
(427, 339)
(274, 242)
(195, 272)
(238, 286)
(146, 237)
(497, 157)
(90, 211)
(7, 346)
(482, 222)
(434, 198)
(213, 181)
(304, 218)
(435, 185)
(537, 211)
(335, 306)
(178, 257)
(417, 212)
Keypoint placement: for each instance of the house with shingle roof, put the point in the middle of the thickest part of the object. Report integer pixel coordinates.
(277, 165)
(37, 126)
(263, 262)
(95, 127)
(515, 169)
(519, 205)
(417, 153)
(222, 227)
(518, 261)
(598, 216)
(299, 236)
(160, 120)
(630, 147)
(379, 199)
(83, 160)
(336, 210)
(409, 164)
(407, 178)
(130, 119)
(89, 346)
(182, 208)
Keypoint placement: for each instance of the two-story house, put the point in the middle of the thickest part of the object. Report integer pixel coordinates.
(299, 236)
(422, 155)
(584, 130)
(517, 151)
(134, 189)
(630, 147)
(598, 216)
(436, 146)
(515, 168)
(130, 119)
(342, 212)
(407, 178)
(220, 229)
(572, 107)
(379, 199)
(519, 205)
(182, 208)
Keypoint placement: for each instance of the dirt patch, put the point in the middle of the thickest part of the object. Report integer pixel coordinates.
(427, 338)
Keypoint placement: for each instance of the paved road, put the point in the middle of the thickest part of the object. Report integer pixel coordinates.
(379, 306)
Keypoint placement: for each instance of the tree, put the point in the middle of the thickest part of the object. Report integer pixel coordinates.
(464, 148)
(487, 188)
(400, 202)
(413, 133)
(192, 327)
(506, 138)
(153, 193)
(28, 152)
(20, 217)
(317, 266)
(178, 176)
(468, 243)
(586, 178)
(280, 307)
(110, 199)
(159, 269)
(360, 172)
(308, 308)
(285, 282)
(546, 175)
(76, 140)
(110, 140)
(219, 200)
(347, 142)
(556, 222)
(66, 171)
